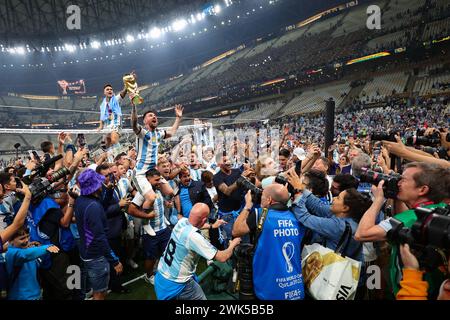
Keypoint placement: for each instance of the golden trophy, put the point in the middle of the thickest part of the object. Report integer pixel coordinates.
(129, 80)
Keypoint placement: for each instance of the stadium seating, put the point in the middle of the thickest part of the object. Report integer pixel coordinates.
(313, 100)
(436, 29)
(324, 24)
(260, 112)
(354, 20)
(290, 36)
(383, 86)
(431, 85)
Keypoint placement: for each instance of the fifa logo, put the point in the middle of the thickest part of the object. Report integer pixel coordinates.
(374, 17)
(73, 22)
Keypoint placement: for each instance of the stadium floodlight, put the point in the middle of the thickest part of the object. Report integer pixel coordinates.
(179, 24)
(20, 50)
(199, 16)
(155, 33)
(217, 9)
(129, 38)
(95, 45)
(193, 20)
(70, 48)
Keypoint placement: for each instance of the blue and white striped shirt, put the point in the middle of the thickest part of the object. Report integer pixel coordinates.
(147, 147)
(183, 251)
(159, 222)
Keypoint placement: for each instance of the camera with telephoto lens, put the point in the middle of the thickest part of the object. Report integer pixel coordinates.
(441, 152)
(245, 184)
(283, 181)
(429, 235)
(244, 255)
(419, 139)
(390, 187)
(380, 136)
(40, 185)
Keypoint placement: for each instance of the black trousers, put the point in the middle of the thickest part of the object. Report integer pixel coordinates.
(115, 281)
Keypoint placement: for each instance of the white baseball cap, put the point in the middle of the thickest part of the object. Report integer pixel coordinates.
(300, 153)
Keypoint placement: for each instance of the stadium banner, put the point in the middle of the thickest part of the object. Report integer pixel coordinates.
(72, 88)
(369, 57)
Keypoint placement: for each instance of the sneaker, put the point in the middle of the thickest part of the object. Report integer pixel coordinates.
(132, 264)
(150, 280)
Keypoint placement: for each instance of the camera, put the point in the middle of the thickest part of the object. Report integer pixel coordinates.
(390, 186)
(420, 140)
(42, 187)
(430, 232)
(380, 136)
(244, 256)
(282, 180)
(245, 184)
(441, 152)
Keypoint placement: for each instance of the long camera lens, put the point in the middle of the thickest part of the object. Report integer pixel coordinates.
(390, 186)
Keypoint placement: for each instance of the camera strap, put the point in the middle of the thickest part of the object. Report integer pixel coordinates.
(260, 225)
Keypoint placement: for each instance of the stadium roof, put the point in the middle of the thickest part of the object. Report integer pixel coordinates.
(46, 19)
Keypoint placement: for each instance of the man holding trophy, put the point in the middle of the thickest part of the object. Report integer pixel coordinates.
(148, 139)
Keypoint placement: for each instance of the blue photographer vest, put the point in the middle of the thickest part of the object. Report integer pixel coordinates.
(277, 268)
(35, 215)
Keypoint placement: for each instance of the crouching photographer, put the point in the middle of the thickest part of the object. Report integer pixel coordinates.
(413, 287)
(276, 236)
(422, 186)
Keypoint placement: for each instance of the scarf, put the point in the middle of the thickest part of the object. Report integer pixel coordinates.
(113, 104)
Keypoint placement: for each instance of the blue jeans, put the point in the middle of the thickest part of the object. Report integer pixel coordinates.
(191, 291)
(95, 275)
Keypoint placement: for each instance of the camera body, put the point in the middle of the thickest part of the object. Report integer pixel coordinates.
(380, 136)
(420, 139)
(244, 183)
(430, 232)
(390, 186)
(42, 187)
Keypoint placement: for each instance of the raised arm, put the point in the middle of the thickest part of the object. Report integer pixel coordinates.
(178, 113)
(19, 219)
(134, 120)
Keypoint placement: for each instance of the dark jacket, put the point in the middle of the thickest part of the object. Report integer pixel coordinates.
(114, 215)
(198, 193)
(91, 223)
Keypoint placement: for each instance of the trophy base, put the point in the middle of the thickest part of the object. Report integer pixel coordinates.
(137, 100)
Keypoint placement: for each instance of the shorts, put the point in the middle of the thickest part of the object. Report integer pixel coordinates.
(142, 185)
(154, 246)
(113, 125)
(95, 275)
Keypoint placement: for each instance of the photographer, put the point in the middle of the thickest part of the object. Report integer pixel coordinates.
(421, 185)
(277, 238)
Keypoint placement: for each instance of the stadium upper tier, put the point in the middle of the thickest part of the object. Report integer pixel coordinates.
(336, 37)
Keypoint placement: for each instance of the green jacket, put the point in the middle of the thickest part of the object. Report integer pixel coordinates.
(434, 278)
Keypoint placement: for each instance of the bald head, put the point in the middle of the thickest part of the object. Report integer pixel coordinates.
(277, 193)
(198, 215)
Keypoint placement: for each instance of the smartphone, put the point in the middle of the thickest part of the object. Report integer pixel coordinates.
(298, 167)
(376, 153)
(81, 140)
